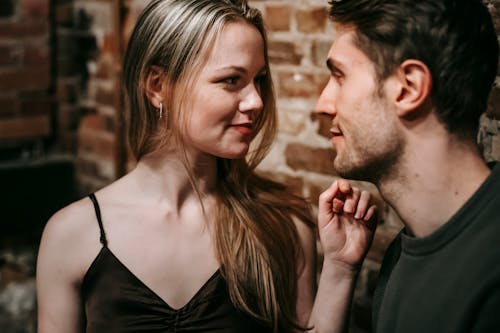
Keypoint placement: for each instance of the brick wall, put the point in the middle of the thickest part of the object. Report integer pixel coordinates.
(59, 90)
(26, 103)
(99, 150)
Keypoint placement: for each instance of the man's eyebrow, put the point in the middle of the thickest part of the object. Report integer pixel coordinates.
(329, 64)
(332, 65)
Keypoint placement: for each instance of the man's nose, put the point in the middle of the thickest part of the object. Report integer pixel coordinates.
(325, 104)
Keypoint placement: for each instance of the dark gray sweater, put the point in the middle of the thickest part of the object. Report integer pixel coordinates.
(450, 280)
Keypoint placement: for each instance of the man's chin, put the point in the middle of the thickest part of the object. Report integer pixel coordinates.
(350, 171)
(341, 168)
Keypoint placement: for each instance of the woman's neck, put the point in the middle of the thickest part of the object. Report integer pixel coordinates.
(176, 179)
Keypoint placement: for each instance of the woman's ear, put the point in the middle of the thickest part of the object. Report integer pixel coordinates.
(155, 86)
(414, 83)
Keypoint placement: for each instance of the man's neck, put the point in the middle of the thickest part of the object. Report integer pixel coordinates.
(432, 184)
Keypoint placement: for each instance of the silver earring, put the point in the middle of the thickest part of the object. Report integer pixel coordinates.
(161, 110)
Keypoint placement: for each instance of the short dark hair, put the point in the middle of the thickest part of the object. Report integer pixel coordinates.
(456, 39)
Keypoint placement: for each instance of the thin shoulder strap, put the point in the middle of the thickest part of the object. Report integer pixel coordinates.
(103, 239)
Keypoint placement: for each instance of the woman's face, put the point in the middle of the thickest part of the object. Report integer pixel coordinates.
(226, 97)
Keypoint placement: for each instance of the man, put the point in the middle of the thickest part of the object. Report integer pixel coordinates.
(409, 80)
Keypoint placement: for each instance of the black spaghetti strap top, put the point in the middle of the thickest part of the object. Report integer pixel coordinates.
(115, 300)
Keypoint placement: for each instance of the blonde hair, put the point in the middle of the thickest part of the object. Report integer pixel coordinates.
(254, 233)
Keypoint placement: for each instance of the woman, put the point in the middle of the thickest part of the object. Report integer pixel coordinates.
(192, 239)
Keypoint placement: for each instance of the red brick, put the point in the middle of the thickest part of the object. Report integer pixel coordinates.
(37, 55)
(29, 78)
(320, 52)
(96, 142)
(107, 66)
(26, 28)
(93, 122)
(301, 157)
(9, 106)
(311, 20)
(37, 106)
(291, 122)
(277, 18)
(10, 55)
(110, 44)
(105, 96)
(294, 184)
(25, 127)
(35, 8)
(298, 84)
(283, 52)
(314, 192)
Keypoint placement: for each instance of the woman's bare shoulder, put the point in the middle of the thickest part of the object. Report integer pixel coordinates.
(70, 239)
(71, 221)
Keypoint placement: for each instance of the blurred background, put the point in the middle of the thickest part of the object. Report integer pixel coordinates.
(61, 129)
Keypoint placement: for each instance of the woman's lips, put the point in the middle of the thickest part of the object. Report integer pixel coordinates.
(245, 129)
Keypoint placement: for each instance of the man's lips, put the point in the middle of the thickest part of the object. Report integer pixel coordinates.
(335, 132)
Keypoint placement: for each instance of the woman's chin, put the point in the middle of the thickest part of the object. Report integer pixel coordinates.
(234, 155)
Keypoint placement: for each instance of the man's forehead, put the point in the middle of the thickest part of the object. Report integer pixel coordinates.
(343, 46)
(345, 53)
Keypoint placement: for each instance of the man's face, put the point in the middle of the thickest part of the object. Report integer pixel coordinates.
(364, 125)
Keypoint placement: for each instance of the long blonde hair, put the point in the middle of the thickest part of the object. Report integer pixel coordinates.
(255, 237)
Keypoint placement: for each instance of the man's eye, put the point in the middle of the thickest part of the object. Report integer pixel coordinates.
(337, 75)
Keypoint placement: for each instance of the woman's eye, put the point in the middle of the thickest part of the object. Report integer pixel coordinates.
(233, 80)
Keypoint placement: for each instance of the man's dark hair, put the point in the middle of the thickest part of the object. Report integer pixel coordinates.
(456, 39)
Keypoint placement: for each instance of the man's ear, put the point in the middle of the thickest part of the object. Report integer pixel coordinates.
(413, 87)
(155, 86)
